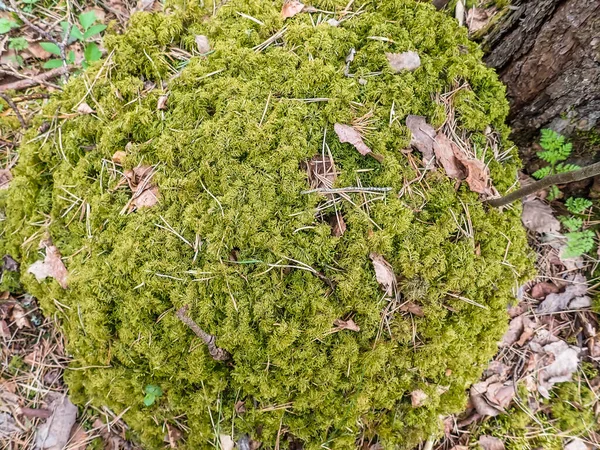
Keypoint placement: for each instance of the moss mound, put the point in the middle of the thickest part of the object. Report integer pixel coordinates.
(227, 152)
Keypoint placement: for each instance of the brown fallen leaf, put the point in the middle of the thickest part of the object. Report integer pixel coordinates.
(500, 394)
(445, 152)
(5, 178)
(321, 172)
(412, 308)
(346, 325)
(78, 440)
(240, 407)
(52, 266)
(384, 273)
(477, 396)
(145, 193)
(478, 174)
(417, 398)
(490, 443)
(350, 135)
(4, 330)
(36, 51)
(291, 8)
(538, 216)
(84, 109)
(405, 61)
(19, 317)
(542, 289)
(202, 44)
(174, 435)
(422, 138)
(574, 293)
(55, 432)
(338, 225)
(478, 18)
(226, 442)
(161, 104)
(33, 413)
(118, 157)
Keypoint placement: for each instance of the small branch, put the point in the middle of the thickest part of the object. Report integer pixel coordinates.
(560, 178)
(217, 353)
(32, 81)
(8, 100)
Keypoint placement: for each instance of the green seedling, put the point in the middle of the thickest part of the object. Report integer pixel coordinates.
(153, 392)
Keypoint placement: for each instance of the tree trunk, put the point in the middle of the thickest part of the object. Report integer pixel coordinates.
(547, 52)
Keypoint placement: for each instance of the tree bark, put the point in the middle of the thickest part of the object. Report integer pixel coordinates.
(547, 52)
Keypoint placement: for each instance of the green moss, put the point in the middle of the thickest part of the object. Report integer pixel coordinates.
(127, 275)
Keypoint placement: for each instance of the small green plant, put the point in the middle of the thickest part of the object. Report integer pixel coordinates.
(578, 241)
(555, 151)
(7, 24)
(87, 29)
(153, 392)
(18, 43)
(28, 8)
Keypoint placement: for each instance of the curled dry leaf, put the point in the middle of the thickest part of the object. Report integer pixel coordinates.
(422, 137)
(405, 61)
(291, 8)
(5, 178)
(202, 44)
(173, 435)
(52, 266)
(520, 330)
(417, 398)
(537, 216)
(500, 394)
(55, 432)
(346, 325)
(490, 443)
(445, 152)
(84, 108)
(145, 193)
(161, 104)
(541, 290)
(412, 308)
(348, 134)
(573, 297)
(384, 273)
(480, 402)
(4, 330)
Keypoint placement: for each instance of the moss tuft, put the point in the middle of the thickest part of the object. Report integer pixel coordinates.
(232, 177)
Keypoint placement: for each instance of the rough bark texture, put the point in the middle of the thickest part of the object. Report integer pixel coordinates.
(547, 52)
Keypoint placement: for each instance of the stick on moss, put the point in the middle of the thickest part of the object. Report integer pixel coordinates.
(217, 353)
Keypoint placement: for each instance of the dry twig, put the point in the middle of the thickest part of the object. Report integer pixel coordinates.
(217, 353)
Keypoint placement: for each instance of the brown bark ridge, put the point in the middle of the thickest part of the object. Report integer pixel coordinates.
(547, 52)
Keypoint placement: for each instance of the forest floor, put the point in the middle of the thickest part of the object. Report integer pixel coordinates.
(540, 391)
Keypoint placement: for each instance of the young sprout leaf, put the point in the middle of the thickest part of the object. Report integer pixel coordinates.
(577, 205)
(7, 24)
(53, 64)
(71, 57)
(92, 52)
(94, 30)
(50, 47)
(86, 19)
(18, 43)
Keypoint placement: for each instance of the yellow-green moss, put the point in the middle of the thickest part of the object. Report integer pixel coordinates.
(127, 275)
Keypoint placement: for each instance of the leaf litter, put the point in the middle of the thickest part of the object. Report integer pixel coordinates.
(348, 134)
(51, 266)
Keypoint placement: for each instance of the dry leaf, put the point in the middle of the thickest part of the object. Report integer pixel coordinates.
(5, 178)
(321, 172)
(490, 443)
(78, 439)
(445, 152)
(412, 308)
(541, 290)
(459, 12)
(51, 266)
(8, 425)
(9, 264)
(36, 51)
(479, 401)
(338, 225)
(240, 407)
(574, 293)
(537, 216)
(346, 325)
(405, 61)
(384, 273)
(348, 134)
(226, 442)
(19, 317)
(4, 330)
(119, 156)
(500, 394)
(202, 44)
(422, 137)
(161, 104)
(478, 18)
(417, 398)
(54, 433)
(145, 193)
(478, 176)
(291, 8)
(576, 444)
(84, 108)
(174, 435)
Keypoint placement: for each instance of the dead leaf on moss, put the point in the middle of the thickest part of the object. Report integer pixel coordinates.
(478, 18)
(479, 401)
(542, 289)
(538, 216)
(226, 442)
(573, 297)
(445, 152)
(202, 44)
(291, 8)
(384, 273)
(52, 266)
(553, 362)
(422, 137)
(145, 193)
(500, 394)
(240, 407)
(478, 176)
(405, 61)
(412, 308)
(174, 435)
(417, 398)
(118, 157)
(4, 330)
(338, 225)
(321, 172)
(36, 50)
(490, 443)
(350, 135)
(84, 109)
(5, 178)
(55, 432)
(161, 104)
(346, 325)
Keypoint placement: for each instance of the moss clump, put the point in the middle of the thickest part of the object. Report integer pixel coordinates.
(232, 177)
